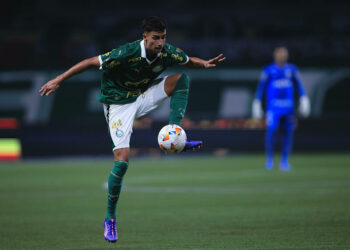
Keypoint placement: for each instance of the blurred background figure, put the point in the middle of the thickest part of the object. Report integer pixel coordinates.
(278, 82)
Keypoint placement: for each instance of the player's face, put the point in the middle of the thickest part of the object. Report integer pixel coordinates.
(280, 55)
(154, 41)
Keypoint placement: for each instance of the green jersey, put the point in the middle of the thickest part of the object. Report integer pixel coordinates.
(127, 72)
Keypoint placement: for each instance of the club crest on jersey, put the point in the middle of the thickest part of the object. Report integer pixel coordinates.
(119, 133)
(157, 68)
(288, 73)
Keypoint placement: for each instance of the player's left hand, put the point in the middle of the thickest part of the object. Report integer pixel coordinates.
(50, 87)
(214, 61)
(304, 106)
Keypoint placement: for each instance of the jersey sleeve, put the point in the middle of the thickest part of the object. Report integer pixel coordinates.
(176, 55)
(297, 81)
(112, 59)
(264, 77)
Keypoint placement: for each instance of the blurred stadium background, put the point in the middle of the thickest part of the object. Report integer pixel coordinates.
(40, 39)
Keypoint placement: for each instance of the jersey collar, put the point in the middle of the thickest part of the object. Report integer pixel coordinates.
(143, 53)
(280, 67)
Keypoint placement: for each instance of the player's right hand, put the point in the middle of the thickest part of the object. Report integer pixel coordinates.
(49, 87)
(257, 109)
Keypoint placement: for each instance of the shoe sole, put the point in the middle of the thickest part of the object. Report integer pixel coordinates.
(194, 148)
(111, 241)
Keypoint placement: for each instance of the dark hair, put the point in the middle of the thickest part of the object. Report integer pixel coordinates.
(153, 23)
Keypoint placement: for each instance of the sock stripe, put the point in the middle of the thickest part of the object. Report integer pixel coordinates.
(112, 196)
(115, 175)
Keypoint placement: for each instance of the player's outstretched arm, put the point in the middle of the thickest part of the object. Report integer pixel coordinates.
(52, 85)
(195, 62)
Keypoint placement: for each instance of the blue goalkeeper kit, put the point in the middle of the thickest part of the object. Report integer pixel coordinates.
(277, 84)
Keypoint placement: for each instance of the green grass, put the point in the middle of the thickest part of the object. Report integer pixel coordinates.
(179, 203)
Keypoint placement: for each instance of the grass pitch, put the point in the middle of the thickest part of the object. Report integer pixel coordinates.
(179, 203)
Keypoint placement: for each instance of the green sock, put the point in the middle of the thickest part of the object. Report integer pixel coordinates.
(115, 182)
(179, 98)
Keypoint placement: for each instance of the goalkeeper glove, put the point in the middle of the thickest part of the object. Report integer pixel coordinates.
(304, 106)
(257, 110)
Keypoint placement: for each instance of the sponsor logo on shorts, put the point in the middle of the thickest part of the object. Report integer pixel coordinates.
(115, 125)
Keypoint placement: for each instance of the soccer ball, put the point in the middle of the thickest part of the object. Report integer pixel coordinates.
(172, 139)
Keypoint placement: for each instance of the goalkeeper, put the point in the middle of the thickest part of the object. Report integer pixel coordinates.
(277, 83)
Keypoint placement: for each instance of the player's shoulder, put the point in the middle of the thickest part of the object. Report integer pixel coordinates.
(128, 49)
(269, 67)
(168, 48)
(291, 66)
(132, 46)
(174, 55)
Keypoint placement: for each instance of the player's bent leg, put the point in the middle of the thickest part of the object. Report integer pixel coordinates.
(177, 86)
(115, 181)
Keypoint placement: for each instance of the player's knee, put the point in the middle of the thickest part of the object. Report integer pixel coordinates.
(289, 130)
(183, 82)
(121, 154)
(184, 75)
(120, 168)
(271, 129)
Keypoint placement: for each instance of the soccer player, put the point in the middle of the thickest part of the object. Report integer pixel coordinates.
(277, 83)
(131, 88)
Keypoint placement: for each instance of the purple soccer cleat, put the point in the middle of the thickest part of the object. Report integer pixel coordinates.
(192, 145)
(110, 234)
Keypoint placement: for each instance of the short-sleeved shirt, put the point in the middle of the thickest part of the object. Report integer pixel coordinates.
(127, 72)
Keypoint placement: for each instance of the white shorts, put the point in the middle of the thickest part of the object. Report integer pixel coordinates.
(121, 117)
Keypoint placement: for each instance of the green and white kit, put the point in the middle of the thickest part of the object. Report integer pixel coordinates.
(131, 87)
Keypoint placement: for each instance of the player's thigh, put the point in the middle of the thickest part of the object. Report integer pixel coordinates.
(288, 122)
(272, 120)
(152, 98)
(120, 119)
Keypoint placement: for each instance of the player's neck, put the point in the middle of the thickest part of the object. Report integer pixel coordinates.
(150, 55)
(280, 64)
